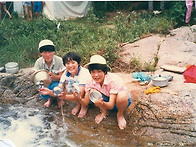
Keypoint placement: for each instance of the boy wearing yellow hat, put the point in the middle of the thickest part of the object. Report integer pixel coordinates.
(112, 88)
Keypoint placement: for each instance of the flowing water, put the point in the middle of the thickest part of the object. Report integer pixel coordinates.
(53, 127)
(31, 127)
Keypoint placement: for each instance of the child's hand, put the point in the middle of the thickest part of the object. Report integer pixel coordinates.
(45, 91)
(99, 102)
(62, 95)
(76, 95)
(52, 75)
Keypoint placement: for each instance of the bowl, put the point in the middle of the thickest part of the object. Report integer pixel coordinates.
(95, 95)
(57, 90)
(11, 67)
(41, 76)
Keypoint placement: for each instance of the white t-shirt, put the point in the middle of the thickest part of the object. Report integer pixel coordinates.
(81, 78)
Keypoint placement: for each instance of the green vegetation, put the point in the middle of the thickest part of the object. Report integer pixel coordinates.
(88, 35)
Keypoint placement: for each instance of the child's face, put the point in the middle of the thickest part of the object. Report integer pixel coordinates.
(98, 76)
(72, 67)
(48, 56)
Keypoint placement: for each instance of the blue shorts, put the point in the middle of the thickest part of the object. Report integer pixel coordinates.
(51, 87)
(106, 99)
(37, 7)
(27, 3)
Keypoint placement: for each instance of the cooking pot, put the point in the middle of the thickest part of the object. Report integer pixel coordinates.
(11, 67)
(41, 76)
(95, 95)
(161, 80)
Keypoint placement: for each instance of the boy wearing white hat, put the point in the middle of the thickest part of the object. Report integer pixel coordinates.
(112, 88)
(54, 65)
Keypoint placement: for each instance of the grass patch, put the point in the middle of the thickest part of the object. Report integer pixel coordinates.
(87, 36)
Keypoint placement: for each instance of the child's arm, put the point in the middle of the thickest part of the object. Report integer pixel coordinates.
(107, 105)
(54, 76)
(84, 101)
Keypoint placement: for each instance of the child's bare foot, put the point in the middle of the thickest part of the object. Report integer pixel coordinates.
(83, 111)
(60, 103)
(100, 117)
(76, 109)
(48, 103)
(121, 122)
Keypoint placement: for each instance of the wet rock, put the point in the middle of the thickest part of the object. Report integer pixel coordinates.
(16, 88)
(8, 80)
(2, 89)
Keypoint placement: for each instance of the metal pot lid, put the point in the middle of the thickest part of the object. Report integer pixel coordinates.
(160, 78)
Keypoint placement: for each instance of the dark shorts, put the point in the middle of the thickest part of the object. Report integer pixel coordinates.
(106, 99)
(51, 87)
(37, 7)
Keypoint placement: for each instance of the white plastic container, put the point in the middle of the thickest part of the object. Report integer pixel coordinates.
(12, 67)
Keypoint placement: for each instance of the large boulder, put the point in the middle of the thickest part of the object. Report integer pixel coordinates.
(169, 115)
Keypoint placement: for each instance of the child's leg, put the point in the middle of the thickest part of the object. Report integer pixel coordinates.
(189, 4)
(60, 102)
(39, 9)
(103, 113)
(30, 12)
(5, 9)
(121, 103)
(101, 116)
(76, 109)
(48, 103)
(83, 111)
(26, 12)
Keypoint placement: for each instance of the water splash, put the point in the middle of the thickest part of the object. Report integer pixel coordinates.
(30, 127)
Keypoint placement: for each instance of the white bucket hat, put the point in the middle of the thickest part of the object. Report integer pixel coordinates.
(45, 42)
(97, 59)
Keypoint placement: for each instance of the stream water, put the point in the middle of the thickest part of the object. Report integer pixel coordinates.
(32, 127)
(52, 127)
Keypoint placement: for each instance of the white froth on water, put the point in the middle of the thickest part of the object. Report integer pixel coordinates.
(27, 127)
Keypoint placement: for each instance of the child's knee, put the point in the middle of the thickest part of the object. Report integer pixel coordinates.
(122, 97)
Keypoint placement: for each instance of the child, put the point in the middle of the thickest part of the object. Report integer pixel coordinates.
(54, 65)
(5, 9)
(74, 73)
(112, 88)
(28, 10)
(37, 8)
